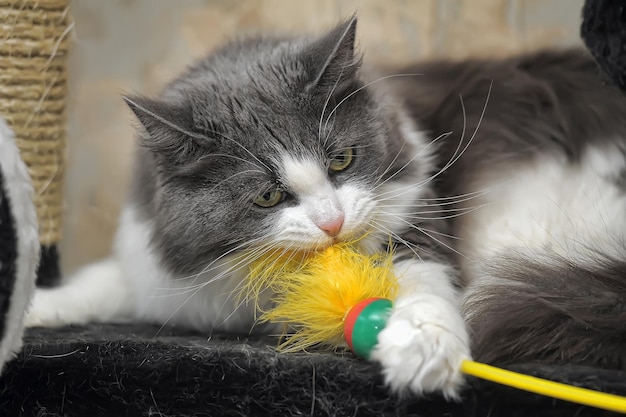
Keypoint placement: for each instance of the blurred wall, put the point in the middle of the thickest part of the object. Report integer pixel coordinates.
(138, 45)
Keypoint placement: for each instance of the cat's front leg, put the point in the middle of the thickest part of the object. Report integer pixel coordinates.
(96, 293)
(425, 340)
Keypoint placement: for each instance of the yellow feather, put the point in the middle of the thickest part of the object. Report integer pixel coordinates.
(314, 292)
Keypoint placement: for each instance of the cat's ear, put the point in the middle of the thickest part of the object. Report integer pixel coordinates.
(332, 57)
(168, 126)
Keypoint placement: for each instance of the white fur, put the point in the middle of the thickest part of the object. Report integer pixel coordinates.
(133, 285)
(397, 197)
(570, 209)
(20, 192)
(97, 293)
(320, 202)
(425, 340)
(205, 301)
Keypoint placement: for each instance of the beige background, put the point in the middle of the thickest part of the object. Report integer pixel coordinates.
(137, 45)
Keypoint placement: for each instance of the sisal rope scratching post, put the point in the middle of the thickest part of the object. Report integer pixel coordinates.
(34, 45)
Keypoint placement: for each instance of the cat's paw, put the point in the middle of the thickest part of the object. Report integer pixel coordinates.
(45, 310)
(422, 347)
(96, 293)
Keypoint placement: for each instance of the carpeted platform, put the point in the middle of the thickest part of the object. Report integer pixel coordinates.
(124, 370)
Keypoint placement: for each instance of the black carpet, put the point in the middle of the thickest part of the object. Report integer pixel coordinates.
(124, 370)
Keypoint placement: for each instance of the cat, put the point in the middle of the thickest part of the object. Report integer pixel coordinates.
(500, 183)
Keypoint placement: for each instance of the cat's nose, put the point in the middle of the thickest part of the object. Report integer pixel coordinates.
(332, 227)
(326, 213)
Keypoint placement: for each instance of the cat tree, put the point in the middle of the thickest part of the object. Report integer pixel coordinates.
(143, 370)
(34, 44)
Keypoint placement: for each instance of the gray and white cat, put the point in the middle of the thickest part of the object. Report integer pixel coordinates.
(501, 183)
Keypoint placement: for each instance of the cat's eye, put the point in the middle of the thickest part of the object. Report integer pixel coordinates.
(270, 198)
(342, 160)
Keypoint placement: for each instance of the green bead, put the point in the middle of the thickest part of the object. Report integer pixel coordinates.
(368, 324)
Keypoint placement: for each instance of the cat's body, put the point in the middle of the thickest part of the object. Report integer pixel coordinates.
(545, 254)
(281, 143)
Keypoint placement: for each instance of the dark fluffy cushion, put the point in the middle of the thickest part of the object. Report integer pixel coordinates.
(604, 32)
(124, 370)
(19, 244)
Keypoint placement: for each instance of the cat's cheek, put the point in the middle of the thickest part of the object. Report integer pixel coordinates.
(292, 226)
(359, 205)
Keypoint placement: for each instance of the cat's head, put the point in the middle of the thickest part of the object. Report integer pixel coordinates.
(271, 143)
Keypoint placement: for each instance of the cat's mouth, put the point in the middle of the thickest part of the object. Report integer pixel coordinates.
(319, 246)
(354, 238)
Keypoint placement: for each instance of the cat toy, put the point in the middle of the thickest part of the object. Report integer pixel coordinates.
(341, 296)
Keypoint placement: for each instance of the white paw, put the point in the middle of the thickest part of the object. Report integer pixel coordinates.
(44, 311)
(422, 347)
(96, 293)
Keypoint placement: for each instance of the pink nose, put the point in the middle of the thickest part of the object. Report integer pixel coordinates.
(333, 226)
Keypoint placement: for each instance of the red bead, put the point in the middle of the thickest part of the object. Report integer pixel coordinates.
(363, 323)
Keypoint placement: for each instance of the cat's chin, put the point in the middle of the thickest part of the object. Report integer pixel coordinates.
(315, 247)
(357, 240)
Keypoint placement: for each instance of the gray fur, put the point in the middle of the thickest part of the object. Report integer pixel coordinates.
(546, 102)
(542, 307)
(551, 310)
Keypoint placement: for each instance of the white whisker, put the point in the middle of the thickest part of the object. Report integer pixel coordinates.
(242, 147)
(363, 87)
(456, 155)
(244, 300)
(381, 228)
(330, 94)
(436, 210)
(418, 154)
(236, 158)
